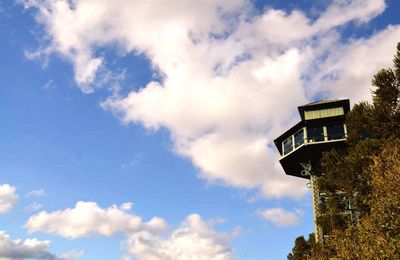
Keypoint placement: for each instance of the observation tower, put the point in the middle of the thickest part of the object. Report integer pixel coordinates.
(322, 128)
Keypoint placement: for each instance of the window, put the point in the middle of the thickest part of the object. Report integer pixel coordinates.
(335, 132)
(287, 145)
(315, 134)
(329, 112)
(298, 138)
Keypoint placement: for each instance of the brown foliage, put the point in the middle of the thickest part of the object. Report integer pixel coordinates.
(363, 181)
(377, 235)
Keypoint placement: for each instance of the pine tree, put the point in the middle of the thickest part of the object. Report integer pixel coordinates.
(301, 249)
(372, 129)
(361, 201)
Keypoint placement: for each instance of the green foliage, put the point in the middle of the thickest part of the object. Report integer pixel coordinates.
(360, 194)
(302, 248)
(396, 62)
(377, 235)
(345, 181)
(359, 123)
(386, 104)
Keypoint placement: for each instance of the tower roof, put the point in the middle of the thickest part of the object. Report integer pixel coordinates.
(322, 101)
(324, 104)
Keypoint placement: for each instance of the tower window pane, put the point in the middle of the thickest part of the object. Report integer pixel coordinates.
(298, 138)
(287, 145)
(335, 132)
(315, 134)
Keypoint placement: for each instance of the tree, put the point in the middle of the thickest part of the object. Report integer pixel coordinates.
(301, 249)
(365, 175)
(377, 235)
(361, 197)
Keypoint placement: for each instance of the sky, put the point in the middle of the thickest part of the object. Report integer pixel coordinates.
(144, 129)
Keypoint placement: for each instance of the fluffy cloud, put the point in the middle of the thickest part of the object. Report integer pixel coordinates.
(280, 217)
(87, 218)
(274, 25)
(350, 67)
(341, 12)
(194, 239)
(29, 248)
(8, 197)
(71, 255)
(230, 79)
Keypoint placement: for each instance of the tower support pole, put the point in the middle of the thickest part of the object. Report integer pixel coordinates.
(315, 203)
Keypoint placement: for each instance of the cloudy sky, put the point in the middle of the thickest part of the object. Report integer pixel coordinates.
(144, 129)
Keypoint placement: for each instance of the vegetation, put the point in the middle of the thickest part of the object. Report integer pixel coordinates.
(302, 248)
(360, 185)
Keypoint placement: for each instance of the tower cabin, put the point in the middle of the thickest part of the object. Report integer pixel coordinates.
(322, 128)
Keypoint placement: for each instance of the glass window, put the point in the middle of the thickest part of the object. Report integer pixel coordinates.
(314, 114)
(315, 134)
(335, 132)
(287, 145)
(298, 138)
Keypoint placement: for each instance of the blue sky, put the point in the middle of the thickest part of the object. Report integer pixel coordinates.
(145, 131)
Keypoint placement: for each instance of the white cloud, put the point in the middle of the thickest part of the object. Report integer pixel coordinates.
(8, 197)
(344, 11)
(273, 25)
(49, 85)
(231, 79)
(280, 217)
(349, 68)
(34, 206)
(36, 193)
(31, 248)
(87, 218)
(132, 163)
(71, 255)
(194, 239)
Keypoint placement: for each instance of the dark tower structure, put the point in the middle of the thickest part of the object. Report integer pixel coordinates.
(322, 128)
